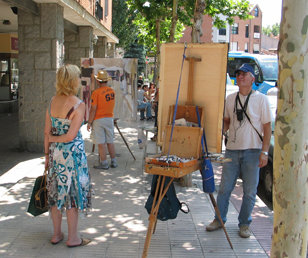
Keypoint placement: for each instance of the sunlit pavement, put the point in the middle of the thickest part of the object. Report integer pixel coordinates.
(118, 222)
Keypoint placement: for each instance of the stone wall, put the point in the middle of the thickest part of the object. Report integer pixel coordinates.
(78, 45)
(100, 47)
(41, 53)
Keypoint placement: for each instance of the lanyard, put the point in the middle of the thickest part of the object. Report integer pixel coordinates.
(238, 100)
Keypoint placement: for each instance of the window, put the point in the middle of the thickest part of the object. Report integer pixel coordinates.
(256, 34)
(247, 31)
(98, 10)
(246, 47)
(256, 12)
(234, 63)
(106, 8)
(256, 48)
(222, 32)
(233, 46)
(234, 29)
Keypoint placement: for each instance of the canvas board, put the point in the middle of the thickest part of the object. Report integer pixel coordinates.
(209, 82)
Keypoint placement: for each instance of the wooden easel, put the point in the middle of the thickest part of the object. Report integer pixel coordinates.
(187, 180)
(191, 61)
(175, 172)
(184, 139)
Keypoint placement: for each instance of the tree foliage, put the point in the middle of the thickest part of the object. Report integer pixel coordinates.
(157, 22)
(137, 50)
(122, 24)
(148, 11)
(271, 30)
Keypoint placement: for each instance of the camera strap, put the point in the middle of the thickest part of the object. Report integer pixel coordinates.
(244, 110)
(237, 99)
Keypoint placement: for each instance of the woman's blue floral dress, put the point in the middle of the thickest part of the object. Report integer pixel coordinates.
(68, 176)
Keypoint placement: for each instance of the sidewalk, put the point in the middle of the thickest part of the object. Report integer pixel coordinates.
(118, 222)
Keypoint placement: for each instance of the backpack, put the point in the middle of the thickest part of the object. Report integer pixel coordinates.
(170, 204)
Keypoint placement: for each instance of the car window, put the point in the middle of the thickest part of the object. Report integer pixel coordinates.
(270, 69)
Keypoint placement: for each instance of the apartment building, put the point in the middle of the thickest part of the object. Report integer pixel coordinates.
(245, 35)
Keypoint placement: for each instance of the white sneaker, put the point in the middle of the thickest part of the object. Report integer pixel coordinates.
(214, 225)
(102, 165)
(244, 231)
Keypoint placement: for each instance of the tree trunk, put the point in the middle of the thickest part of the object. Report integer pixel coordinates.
(157, 50)
(174, 20)
(196, 31)
(291, 135)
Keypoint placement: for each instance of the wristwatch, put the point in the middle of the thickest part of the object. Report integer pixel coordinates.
(265, 153)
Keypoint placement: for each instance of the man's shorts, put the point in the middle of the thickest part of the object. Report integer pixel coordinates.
(103, 130)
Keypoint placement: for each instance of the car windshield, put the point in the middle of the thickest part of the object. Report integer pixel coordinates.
(269, 69)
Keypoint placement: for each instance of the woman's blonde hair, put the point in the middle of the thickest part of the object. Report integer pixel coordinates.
(67, 80)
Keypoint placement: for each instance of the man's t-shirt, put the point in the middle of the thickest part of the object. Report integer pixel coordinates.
(242, 135)
(104, 99)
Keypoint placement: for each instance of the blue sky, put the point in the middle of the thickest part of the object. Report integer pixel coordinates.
(271, 10)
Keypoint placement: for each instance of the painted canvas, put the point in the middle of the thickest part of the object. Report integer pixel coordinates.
(123, 73)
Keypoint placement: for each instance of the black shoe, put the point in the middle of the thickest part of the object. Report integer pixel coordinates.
(149, 118)
(141, 119)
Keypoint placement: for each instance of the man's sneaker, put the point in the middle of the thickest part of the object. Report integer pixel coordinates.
(214, 225)
(102, 165)
(113, 164)
(244, 231)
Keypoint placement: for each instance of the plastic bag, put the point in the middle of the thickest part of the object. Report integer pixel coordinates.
(141, 138)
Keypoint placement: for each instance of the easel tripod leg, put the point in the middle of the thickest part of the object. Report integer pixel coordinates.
(220, 220)
(152, 222)
(152, 216)
(116, 125)
(160, 192)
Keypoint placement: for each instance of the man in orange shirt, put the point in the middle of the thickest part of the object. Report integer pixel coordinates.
(101, 120)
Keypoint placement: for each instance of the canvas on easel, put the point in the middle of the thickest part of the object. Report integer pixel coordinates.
(209, 80)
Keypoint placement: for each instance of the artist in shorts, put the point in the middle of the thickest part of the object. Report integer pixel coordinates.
(101, 120)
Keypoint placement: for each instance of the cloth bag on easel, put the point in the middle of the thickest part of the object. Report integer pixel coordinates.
(170, 204)
(206, 170)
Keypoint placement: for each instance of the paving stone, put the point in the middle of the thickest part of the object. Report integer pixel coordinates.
(118, 222)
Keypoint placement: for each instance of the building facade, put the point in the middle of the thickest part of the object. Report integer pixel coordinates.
(51, 33)
(243, 35)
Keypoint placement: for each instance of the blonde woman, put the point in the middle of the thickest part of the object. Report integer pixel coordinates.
(69, 186)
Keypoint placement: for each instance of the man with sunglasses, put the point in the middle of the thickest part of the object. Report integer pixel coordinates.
(247, 119)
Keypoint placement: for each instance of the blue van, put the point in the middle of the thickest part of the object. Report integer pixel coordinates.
(265, 66)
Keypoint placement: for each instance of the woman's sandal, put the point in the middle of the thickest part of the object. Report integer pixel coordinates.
(84, 241)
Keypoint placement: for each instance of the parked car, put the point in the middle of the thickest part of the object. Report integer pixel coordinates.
(265, 66)
(266, 173)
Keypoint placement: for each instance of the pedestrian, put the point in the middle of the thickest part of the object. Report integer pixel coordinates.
(68, 179)
(155, 108)
(143, 104)
(247, 117)
(140, 80)
(101, 120)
